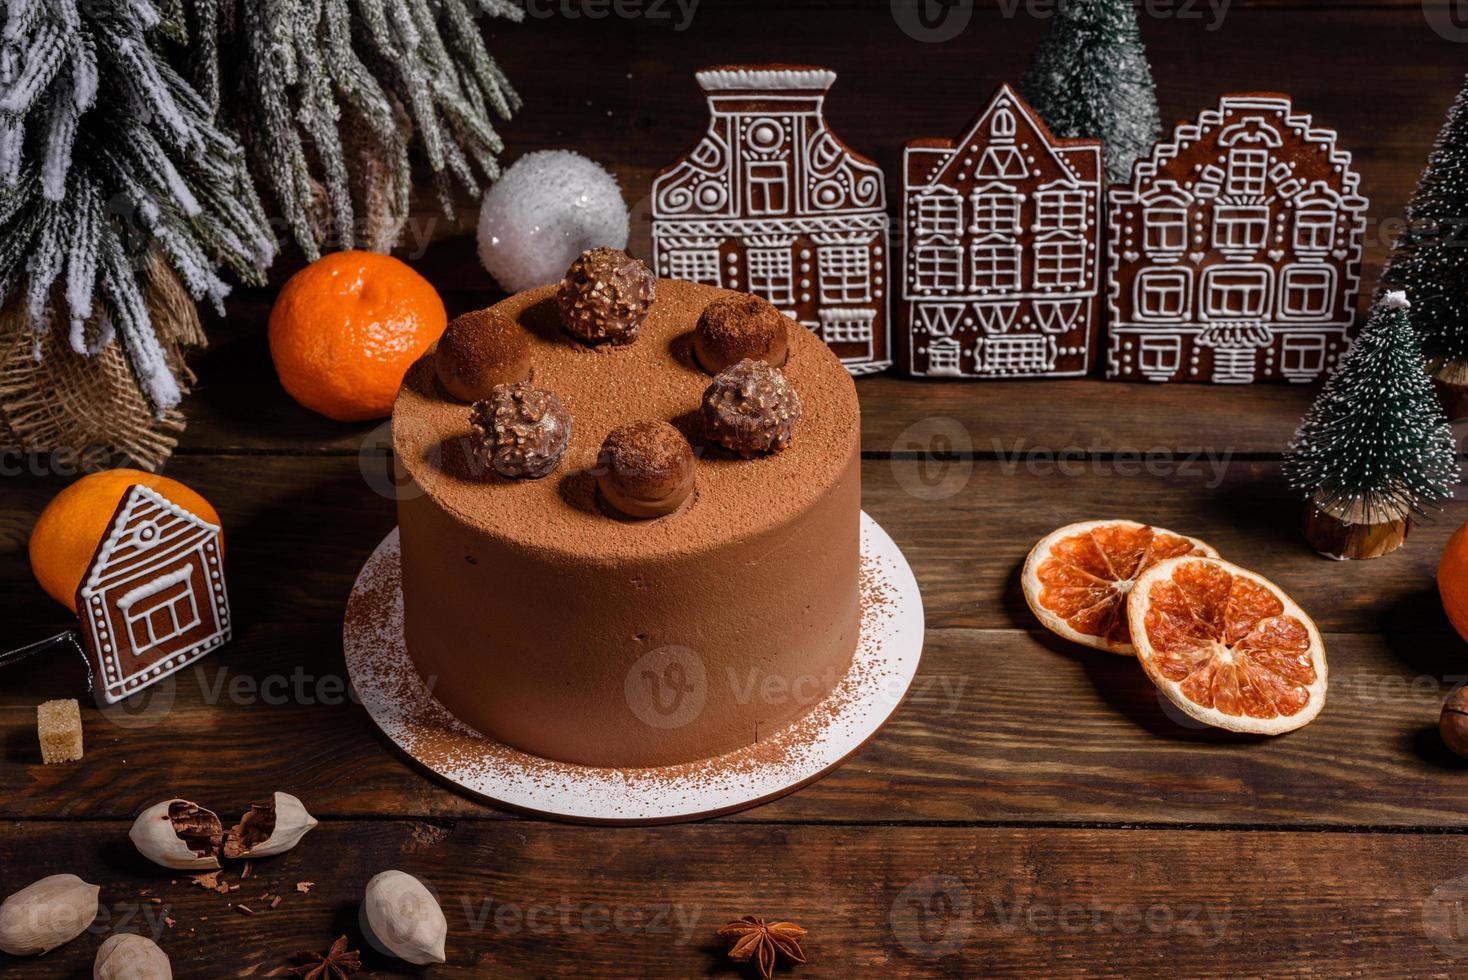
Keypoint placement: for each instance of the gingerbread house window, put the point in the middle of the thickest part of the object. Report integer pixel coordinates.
(1239, 228)
(771, 274)
(1306, 292)
(767, 181)
(1166, 229)
(939, 213)
(1314, 229)
(1060, 264)
(1303, 356)
(160, 611)
(1061, 210)
(994, 266)
(944, 356)
(1163, 294)
(1231, 294)
(846, 274)
(1016, 355)
(1160, 356)
(695, 265)
(939, 267)
(847, 326)
(996, 211)
(1248, 171)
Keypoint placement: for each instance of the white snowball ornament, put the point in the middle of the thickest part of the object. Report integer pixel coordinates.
(546, 210)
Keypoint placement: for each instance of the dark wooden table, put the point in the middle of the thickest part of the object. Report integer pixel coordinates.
(1032, 808)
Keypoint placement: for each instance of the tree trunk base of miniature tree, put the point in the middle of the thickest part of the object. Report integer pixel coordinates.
(1450, 381)
(1343, 535)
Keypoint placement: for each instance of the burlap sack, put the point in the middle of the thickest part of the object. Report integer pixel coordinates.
(91, 406)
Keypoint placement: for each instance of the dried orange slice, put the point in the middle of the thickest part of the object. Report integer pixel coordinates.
(1227, 646)
(1077, 578)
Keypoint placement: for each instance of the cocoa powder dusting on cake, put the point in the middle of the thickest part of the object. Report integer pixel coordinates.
(600, 388)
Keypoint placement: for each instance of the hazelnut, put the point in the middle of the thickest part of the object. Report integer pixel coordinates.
(750, 409)
(645, 470)
(478, 351)
(733, 328)
(521, 431)
(1454, 721)
(605, 296)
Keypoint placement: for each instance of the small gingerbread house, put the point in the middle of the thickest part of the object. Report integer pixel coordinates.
(153, 599)
(772, 203)
(1235, 251)
(1002, 239)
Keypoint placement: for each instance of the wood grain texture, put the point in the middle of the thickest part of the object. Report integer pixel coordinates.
(964, 525)
(1000, 726)
(1083, 827)
(527, 900)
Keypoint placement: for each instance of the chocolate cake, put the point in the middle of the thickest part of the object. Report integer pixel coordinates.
(586, 631)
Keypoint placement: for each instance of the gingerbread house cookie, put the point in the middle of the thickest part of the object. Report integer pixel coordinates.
(1235, 251)
(1002, 261)
(153, 599)
(771, 202)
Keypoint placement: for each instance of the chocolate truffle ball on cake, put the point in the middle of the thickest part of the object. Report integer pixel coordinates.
(478, 351)
(733, 328)
(750, 409)
(605, 296)
(521, 431)
(645, 470)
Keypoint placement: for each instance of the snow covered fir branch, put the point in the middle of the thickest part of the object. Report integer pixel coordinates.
(330, 97)
(106, 156)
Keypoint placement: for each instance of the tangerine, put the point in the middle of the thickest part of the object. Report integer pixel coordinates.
(346, 328)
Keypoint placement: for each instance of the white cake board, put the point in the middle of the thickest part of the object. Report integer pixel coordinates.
(399, 702)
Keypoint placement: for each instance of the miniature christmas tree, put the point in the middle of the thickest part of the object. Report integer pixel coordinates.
(1090, 77)
(329, 95)
(1430, 262)
(119, 200)
(1375, 447)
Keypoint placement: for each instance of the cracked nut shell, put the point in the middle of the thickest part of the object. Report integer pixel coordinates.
(750, 409)
(520, 431)
(605, 296)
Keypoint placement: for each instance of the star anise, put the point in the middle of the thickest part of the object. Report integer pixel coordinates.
(336, 964)
(764, 943)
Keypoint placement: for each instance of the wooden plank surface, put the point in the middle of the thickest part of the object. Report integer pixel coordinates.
(527, 900)
(1006, 723)
(965, 526)
(1084, 828)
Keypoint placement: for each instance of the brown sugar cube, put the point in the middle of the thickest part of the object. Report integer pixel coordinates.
(59, 725)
